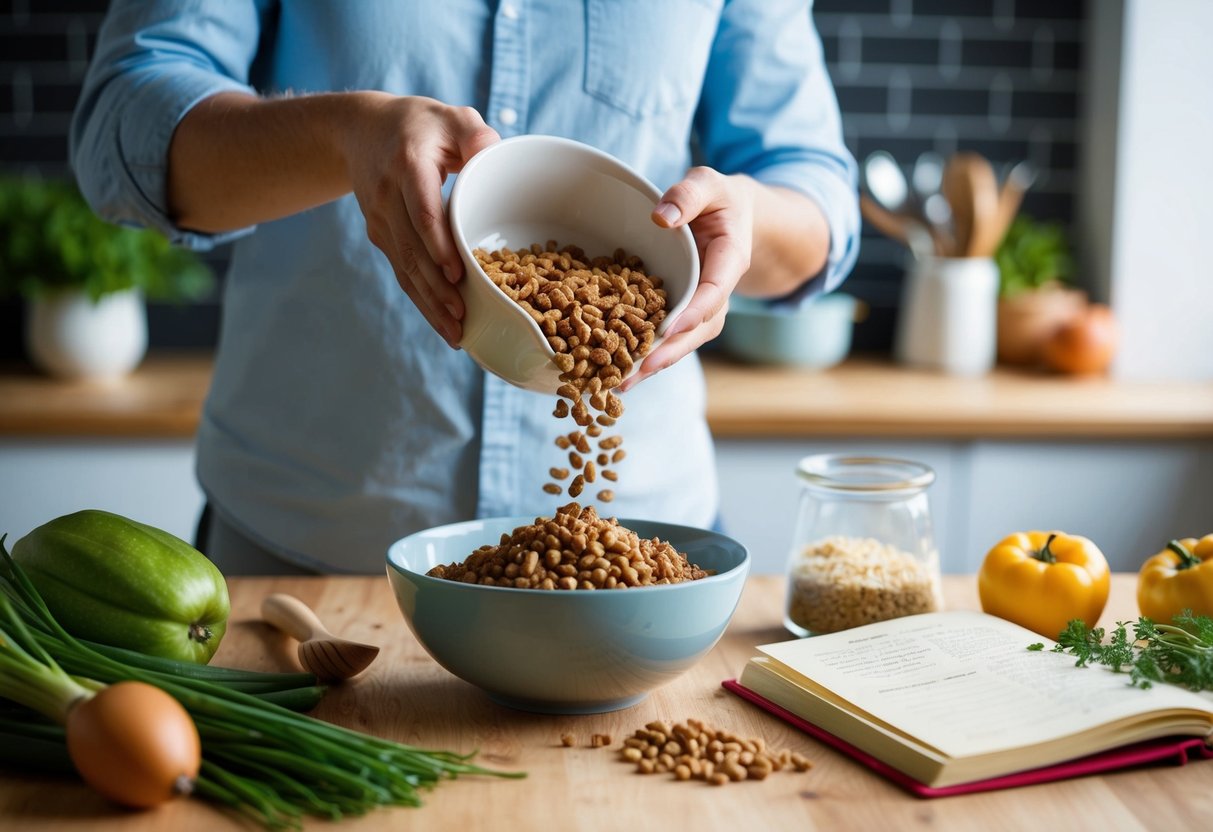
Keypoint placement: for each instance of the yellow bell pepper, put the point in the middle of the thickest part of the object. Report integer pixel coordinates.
(1178, 578)
(1042, 580)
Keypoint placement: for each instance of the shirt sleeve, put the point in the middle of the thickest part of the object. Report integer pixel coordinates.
(154, 60)
(768, 110)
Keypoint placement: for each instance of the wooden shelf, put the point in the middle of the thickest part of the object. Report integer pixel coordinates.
(860, 398)
(870, 398)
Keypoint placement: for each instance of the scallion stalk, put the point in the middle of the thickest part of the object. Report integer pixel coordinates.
(259, 758)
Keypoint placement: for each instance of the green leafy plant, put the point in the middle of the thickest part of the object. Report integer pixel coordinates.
(1033, 255)
(50, 240)
(1179, 654)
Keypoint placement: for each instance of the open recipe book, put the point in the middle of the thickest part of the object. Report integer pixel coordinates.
(953, 702)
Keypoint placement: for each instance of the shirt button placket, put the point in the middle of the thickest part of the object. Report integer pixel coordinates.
(507, 110)
(501, 441)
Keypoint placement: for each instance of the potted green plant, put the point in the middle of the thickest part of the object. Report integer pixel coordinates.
(84, 280)
(1034, 299)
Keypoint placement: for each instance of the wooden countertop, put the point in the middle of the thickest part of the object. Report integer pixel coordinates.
(407, 697)
(862, 397)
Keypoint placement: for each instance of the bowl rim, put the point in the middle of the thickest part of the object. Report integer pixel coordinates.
(729, 574)
(628, 174)
(748, 309)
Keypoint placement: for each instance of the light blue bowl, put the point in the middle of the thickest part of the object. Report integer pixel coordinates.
(815, 336)
(561, 651)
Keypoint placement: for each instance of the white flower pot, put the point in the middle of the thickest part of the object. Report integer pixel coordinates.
(68, 335)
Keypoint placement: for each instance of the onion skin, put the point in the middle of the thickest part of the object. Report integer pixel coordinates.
(1085, 345)
(135, 744)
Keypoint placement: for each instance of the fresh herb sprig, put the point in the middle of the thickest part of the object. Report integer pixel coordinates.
(1180, 653)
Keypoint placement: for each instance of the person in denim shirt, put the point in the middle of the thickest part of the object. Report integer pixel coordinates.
(319, 137)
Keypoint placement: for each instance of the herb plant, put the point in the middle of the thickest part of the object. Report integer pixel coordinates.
(1033, 255)
(1178, 654)
(50, 239)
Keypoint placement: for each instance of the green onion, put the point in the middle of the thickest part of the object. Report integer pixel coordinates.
(261, 759)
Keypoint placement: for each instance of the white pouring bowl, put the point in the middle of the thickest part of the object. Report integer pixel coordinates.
(530, 189)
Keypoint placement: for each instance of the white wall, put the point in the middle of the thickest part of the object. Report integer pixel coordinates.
(1129, 497)
(1157, 250)
(149, 481)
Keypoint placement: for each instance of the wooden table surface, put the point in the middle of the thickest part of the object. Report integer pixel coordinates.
(862, 397)
(407, 697)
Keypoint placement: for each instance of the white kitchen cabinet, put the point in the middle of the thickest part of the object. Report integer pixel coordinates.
(151, 481)
(1129, 497)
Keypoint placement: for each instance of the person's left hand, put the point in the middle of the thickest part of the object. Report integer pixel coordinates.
(720, 211)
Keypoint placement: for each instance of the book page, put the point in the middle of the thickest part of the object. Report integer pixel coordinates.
(965, 682)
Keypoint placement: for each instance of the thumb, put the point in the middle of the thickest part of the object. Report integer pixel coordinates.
(683, 202)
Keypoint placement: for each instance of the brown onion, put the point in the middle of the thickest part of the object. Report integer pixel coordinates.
(1086, 344)
(135, 744)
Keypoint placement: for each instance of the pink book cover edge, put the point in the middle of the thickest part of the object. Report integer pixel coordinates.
(1175, 750)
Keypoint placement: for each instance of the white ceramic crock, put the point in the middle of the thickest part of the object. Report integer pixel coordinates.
(70, 336)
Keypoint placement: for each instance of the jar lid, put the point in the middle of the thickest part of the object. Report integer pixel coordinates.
(864, 474)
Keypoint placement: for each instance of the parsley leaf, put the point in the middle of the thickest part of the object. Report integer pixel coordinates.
(1180, 653)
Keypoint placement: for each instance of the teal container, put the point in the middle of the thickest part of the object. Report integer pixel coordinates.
(565, 651)
(816, 335)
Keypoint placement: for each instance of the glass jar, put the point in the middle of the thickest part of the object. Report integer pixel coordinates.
(863, 549)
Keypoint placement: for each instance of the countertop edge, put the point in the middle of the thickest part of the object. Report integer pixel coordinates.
(163, 400)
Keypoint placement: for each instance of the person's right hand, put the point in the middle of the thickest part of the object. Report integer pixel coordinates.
(399, 151)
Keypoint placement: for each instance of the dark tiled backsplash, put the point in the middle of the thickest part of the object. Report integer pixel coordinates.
(1000, 77)
(997, 76)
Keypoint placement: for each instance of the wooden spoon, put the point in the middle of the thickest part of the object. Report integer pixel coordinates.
(971, 188)
(320, 652)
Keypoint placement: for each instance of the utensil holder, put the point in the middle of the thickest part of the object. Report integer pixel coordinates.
(948, 315)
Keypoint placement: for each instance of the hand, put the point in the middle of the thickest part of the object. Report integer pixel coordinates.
(399, 151)
(720, 212)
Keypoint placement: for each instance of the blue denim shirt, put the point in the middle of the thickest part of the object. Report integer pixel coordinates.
(338, 421)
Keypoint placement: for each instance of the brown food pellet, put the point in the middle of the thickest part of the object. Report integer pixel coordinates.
(619, 455)
(567, 740)
(606, 494)
(577, 486)
(599, 315)
(552, 488)
(563, 552)
(576, 461)
(693, 750)
(600, 740)
(608, 474)
(559, 473)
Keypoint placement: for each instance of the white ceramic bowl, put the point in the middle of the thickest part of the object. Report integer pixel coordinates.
(530, 189)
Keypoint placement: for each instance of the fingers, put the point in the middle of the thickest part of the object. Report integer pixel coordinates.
(466, 135)
(434, 296)
(699, 323)
(725, 260)
(725, 238)
(422, 193)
